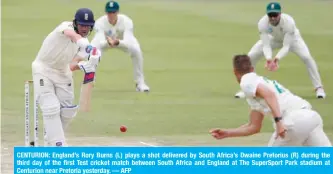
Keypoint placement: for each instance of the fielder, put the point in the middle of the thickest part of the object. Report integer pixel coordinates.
(114, 30)
(295, 122)
(64, 50)
(279, 30)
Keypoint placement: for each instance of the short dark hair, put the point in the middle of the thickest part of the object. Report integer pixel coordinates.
(242, 63)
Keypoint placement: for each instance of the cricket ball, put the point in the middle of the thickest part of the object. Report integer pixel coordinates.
(123, 128)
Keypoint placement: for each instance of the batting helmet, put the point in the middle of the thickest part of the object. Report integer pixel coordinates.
(84, 16)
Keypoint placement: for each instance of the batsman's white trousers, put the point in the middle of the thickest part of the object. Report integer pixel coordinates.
(304, 128)
(52, 93)
(298, 47)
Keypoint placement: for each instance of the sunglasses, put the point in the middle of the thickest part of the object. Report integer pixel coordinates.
(273, 14)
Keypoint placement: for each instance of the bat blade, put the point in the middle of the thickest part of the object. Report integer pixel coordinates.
(86, 90)
(85, 96)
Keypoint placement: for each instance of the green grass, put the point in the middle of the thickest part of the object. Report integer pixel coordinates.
(187, 48)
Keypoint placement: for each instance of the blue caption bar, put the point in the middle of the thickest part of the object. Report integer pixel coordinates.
(194, 160)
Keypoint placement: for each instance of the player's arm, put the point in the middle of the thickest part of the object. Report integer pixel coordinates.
(81, 57)
(80, 60)
(78, 39)
(128, 37)
(72, 34)
(74, 65)
(287, 41)
(264, 37)
(68, 30)
(270, 98)
(87, 66)
(99, 40)
(289, 36)
(253, 87)
(244, 125)
(267, 49)
(272, 102)
(83, 43)
(249, 86)
(256, 117)
(252, 127)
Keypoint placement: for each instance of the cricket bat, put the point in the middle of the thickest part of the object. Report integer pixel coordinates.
(85, 96)
(86, 90)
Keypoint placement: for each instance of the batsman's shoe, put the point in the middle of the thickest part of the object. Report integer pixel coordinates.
(142, 87)
(320, 92)
(240, 94)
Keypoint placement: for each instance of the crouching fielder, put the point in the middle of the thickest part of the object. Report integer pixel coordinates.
(279, 30)
(114, 30)
(64, 50)
(295, 123)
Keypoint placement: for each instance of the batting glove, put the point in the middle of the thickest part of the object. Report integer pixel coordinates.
(95, 56)
(89, 71)
(89, 67)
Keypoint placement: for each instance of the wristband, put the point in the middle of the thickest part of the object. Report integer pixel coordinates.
(277, 119)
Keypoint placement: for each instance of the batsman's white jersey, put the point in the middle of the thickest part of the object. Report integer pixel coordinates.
(304, 125)
(55, 54)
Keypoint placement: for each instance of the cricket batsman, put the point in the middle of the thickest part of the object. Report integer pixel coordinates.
(279, 30)
(115, 31)
(295, 122)
(64, 50)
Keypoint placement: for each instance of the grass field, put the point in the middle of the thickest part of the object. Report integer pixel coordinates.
(188, 46)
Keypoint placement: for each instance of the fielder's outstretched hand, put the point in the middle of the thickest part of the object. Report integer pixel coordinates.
(219, 133)
(272, 65)
(112, 42)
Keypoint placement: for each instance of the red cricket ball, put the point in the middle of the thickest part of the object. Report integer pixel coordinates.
(123, 128)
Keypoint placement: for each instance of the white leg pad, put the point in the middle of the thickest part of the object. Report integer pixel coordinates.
(50, 107)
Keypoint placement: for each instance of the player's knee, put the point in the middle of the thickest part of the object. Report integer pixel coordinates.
(49, 105)
(69, 112)
(135, 50)
(306, 57)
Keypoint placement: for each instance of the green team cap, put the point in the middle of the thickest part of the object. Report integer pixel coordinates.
(111, 6)
(273, 7)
